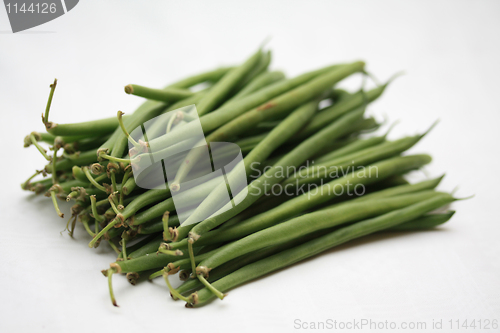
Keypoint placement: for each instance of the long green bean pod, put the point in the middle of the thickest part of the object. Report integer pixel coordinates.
(357, 159)
(260, 67)
(318, 245)
(163, 95)
(337, 109)
(273, 175)
(233, 109)
(89, 128)
(223, 87)
(273, 108)
(425, 222)
(259, 82)
(318, 196)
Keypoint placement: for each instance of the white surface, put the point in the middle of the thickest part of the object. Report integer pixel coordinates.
(449, 51)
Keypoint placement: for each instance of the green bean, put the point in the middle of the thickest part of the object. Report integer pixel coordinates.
(160, 124)
(138, 245)
(84, 158)
(235, 264)
(145, 112)
(365, 125)
(82, 194)
(79, 174)
(49, 138)
(310, 199)
(35, 137)
(337, 109)
(157, 226)
(185, 263)
(196, 195)
(357, 159)
(45, 118)
(329, 147)
(259, 68)
(143, 200)
(210, 76)
(73, 149)
(272, 108)
(402, 189)
(425, 222)
(66, 186)
(246, 144)
(44, 137)
(146, 262)
(259, 82)
(276, 137)
(129, 186)
(163, 95)
(149, 248)
(249, 143)
(293, 159)
(117, 143)
(89, 128)
(395, 180)
(250, 221)
(354, 146)
(135, 265)
(264, 204)
(338, 96)
(233, 109)
(346, 104)
(223, 87)
(318, 245)
(39, 186)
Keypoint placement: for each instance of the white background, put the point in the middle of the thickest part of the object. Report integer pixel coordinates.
(450, 52)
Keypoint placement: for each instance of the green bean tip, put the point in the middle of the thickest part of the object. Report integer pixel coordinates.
(132, 278)
(129, 89)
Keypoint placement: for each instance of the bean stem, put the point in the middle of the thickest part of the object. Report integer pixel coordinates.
(191, 256)
(210, 287)
(49, 102)
(40, 148)
(172, 289)
(110, 273)
(92, 180)
(122, 126)
(56, 205)
(103, 231)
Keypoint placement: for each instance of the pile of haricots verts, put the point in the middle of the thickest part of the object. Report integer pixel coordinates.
(303, 123)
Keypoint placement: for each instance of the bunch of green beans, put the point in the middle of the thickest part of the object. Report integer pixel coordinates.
(335, 181)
